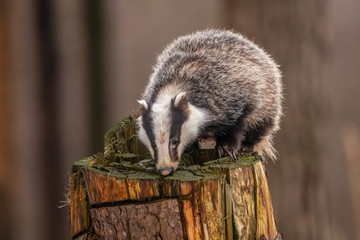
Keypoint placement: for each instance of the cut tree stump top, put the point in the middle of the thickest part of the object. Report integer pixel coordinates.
(119, 195)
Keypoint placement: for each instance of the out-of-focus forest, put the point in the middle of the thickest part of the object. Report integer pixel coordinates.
(69, 70)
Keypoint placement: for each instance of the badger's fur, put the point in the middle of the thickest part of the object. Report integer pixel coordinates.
(211, 82)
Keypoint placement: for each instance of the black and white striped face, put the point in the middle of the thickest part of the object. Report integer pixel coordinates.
(167, 127)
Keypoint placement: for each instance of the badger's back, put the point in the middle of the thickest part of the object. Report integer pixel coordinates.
(229, 79)
(223, 72)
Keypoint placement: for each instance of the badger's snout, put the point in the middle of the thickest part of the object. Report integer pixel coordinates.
(165, 171)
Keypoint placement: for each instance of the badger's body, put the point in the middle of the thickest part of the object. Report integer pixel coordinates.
(210, 82)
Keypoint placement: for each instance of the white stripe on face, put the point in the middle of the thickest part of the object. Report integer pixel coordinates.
(190, 128)
(161, 118)
(161, 128)
(143, 136)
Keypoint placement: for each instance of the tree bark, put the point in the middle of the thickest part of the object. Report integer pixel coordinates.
(119, 195)
(7, 103)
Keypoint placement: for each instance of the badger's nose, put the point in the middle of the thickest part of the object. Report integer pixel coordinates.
(165, 171)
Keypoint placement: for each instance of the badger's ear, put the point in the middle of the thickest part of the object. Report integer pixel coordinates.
(180, 99)
(143, 105)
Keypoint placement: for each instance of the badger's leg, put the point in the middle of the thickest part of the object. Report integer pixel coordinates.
(256, 135)
(252, 137)
(231, 143)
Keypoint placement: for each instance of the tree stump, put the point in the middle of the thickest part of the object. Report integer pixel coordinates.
(118, 194)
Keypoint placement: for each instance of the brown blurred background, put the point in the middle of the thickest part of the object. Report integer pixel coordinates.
(69, 70)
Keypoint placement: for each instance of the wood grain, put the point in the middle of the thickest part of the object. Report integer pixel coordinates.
(128, 199)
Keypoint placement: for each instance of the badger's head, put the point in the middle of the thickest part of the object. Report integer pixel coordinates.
(167, 127)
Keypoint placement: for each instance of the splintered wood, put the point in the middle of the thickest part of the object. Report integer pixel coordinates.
(119, 195)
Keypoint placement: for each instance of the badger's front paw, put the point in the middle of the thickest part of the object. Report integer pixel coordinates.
(227, 150)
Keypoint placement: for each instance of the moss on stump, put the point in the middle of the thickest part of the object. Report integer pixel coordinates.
(119, 195)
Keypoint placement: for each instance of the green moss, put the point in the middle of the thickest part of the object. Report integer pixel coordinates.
(85, 162)
(143, 175)
(183, 175)
(116, 139)
(126, 156)
(243, 160)
(123, 124)
(186, 160)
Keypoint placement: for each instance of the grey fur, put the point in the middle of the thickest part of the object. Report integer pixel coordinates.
(230, 78)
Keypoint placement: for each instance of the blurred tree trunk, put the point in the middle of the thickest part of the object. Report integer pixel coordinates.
(345, 85)
(6, 124)
(73, 99)
(296, 33)
(51, 108)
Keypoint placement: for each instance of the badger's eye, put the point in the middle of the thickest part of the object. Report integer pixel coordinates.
(174, 141)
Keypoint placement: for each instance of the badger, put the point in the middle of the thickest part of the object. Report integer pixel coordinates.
(210, 83)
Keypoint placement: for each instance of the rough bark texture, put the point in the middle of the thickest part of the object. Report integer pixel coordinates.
(119, 195)
(158, 220)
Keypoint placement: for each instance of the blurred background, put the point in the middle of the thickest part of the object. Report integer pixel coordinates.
(70, 70)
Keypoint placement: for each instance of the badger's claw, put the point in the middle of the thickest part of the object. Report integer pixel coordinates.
(220, 151)
(225, 150)
(232, 154)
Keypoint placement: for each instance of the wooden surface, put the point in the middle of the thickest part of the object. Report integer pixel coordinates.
(119, 195)
(155, 220)
(79, 212)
